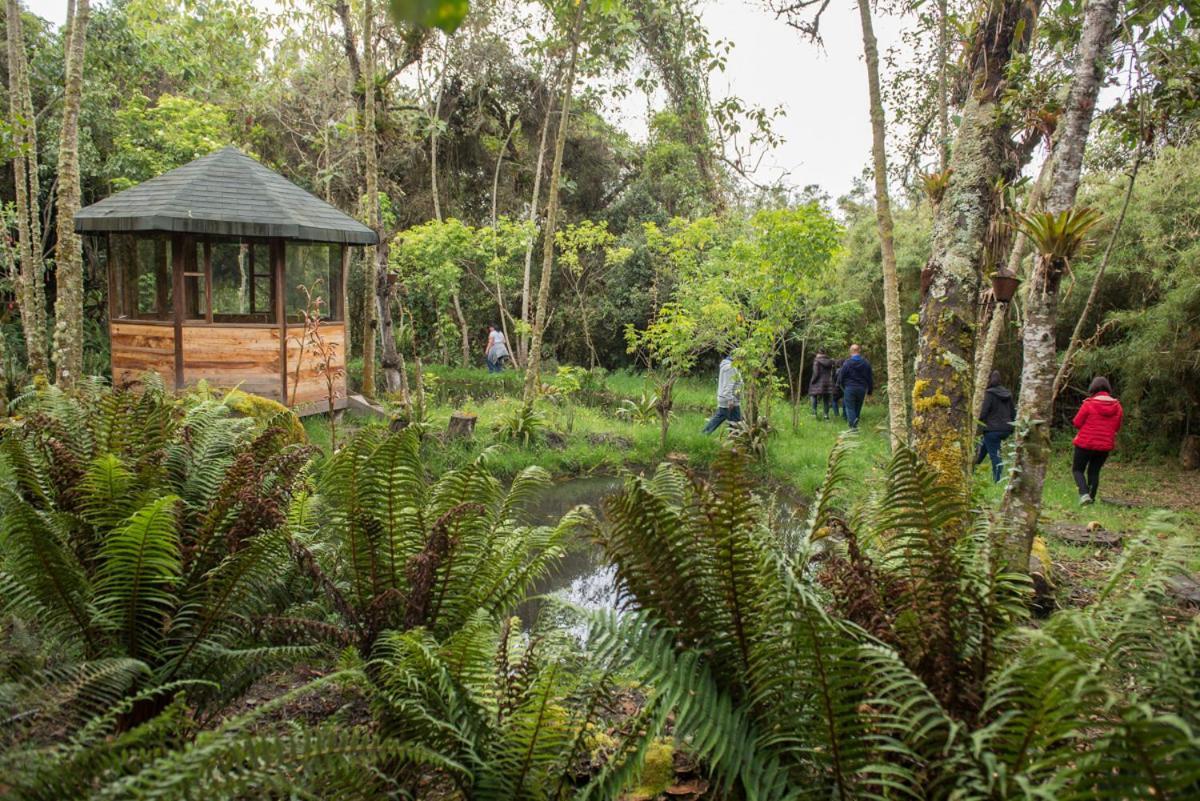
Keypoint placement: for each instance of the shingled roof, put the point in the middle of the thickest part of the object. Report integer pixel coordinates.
(225, 193)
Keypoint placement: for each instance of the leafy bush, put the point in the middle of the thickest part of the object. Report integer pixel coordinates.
(973, 704)
(642, 411)
(144, 534)
(389, 548)
(522, 425)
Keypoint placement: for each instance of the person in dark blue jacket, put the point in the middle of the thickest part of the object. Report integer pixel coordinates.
(856, 382)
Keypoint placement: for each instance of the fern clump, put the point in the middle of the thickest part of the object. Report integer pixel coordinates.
(909, 669)
(390, 548)
(523, 425)
(147, 534)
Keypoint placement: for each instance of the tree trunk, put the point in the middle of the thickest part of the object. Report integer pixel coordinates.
(526, 306)
(1023, 498)
(68, 308)
(943, 90)
(371, 259)
(894, 333)
(391, 360)
(943, 423)
(987, 357)
(463, 329)
(31, 293)
(1064, 368)
(535, 345)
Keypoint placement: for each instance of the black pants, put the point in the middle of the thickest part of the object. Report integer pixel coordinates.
(827, 397)
(1089, 462)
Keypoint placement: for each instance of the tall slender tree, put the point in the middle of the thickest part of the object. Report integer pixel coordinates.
(893, 332)
(371, 162)
(1022, 502)
(31, 293)
(534, 205)
(533, 366)
(943, 423)
(68, 255)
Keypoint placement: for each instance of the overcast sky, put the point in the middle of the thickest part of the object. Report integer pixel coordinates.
(822, 90)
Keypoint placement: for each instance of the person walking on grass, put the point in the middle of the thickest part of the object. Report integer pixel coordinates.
(496, 350)
(996, 417)
(1098, 421)
(839, 399)
(856, 382)
(822, 384)
(729, 390)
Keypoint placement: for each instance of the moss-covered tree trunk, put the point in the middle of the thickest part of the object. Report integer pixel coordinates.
(534, 363)
(1022, 502)
(893, 332)
(31, 292)
(68, 254)
(943, 422)
(1016, 255)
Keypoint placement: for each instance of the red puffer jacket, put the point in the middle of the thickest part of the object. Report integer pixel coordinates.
(1098, 421)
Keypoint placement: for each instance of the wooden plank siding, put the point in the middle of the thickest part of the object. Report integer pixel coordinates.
(139, 348)
(232, 356)
(311, 390)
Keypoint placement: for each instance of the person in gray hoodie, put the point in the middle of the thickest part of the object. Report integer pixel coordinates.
(996, 418)
(822, 383)
(729, 392)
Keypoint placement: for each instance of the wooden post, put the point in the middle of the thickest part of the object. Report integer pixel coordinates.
(177, 248)
(277, 262)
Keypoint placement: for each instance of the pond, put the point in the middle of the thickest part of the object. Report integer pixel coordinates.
(584, 578)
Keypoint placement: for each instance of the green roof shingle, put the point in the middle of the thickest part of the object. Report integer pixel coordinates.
(225, 193)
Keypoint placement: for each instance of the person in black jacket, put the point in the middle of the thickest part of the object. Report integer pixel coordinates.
(856, 382)
(821, 385)
(996, 418)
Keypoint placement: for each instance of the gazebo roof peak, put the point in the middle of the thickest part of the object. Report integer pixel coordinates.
(225, 193)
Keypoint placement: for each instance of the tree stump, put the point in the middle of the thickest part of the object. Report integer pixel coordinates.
(462, 425)
(1189, 452)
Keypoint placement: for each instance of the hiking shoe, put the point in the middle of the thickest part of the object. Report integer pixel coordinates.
(1085, 499)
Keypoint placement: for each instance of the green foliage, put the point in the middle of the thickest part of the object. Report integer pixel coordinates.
(521, 425)
(389, 548)
(642, 410)
(940, 692)
(153, 138)
(136, 528)
(1059, 238)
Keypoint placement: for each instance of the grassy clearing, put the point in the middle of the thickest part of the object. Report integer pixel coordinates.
(589, 439)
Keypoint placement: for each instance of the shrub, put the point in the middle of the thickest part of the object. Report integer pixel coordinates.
(521, 425)
(146, 534)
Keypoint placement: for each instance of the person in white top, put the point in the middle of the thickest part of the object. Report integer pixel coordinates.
(729, 390)
(496, 350)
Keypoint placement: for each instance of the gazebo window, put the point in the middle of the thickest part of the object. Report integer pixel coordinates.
(242, 282)
(142, 286)
(319, 268)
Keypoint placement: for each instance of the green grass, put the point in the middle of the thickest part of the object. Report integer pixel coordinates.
(589, 439)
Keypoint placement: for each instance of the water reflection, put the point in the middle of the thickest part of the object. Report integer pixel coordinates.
(583, 577)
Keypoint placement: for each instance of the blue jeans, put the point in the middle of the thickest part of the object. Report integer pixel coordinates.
(990, 447)
(852, 400)
(732, 413)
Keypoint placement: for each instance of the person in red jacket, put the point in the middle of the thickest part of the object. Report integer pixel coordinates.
(1098, 421)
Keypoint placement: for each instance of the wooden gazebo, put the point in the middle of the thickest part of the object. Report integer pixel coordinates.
(207, 266)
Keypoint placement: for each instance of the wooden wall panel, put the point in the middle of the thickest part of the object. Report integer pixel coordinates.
(311, 388)
(247, 358)
(138, 348)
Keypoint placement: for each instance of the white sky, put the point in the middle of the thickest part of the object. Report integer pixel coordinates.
(822, 90)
